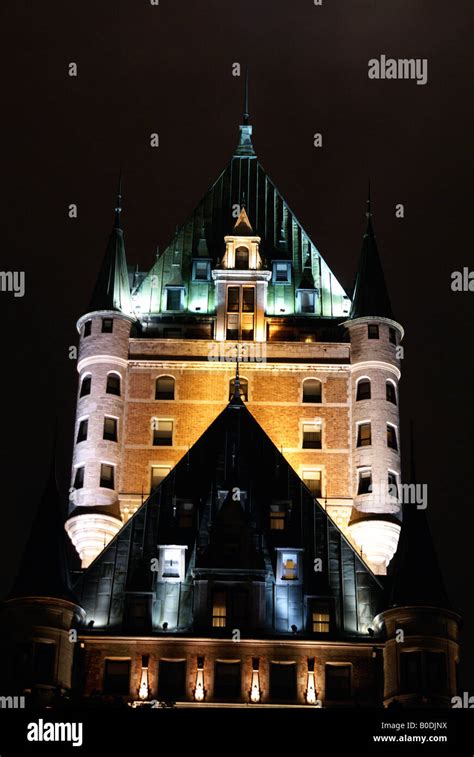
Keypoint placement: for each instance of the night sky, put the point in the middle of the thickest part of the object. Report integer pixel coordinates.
(168, 69)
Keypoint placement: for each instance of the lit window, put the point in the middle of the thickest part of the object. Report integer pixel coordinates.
(363, 390)
(320, 619)
(391, 437)
(311, 436)
(365, 481)
(312, 479)
(281, 272)
(392, 484)
(173, 299)
(107, 325)
(392, 335)
(79, 478)
(110, 429)
(107, 476)
(117, 677)
(364, 435)
(87, 328)
(219, 611)
(113, 384)
(241, 258)
(158, 473)
(172, 564)
(164, 388)
(373, 331)
(277, 516)
(162, 433)
(391, 393)
(289, 566)
(312, 390)
(338, 681)
(82, 431)
(244, 389)
(86, 386)
(201, 270)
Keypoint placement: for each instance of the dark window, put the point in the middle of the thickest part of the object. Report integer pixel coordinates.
(172, 680)
(44, 658)
(435, 672)
(373, 331)
(117, 677)
(363, 390)
(201, 270)
(137, 613)
(79, 478)
(410, 672)
(227, 680)
(241, 258)
(173, 299)
(338, 681)
(185, 514)
(311, 436)
(248, 300)
(391, 393)
(391, 437)
(110, 429)
(312, 390)
(162, 433)
(282, 681)
(365, 481)
(164, 388)
(82, 431)
(307, 302)
(244, 389)
(113, 384)
(107, 325)
(86, 386)
(233, 299)
(107, 476)
(280, 273)
(87, 328)
(392, 335)
(364, 435)
(392, 484)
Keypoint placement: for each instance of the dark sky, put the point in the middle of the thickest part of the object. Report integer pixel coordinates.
(168, 69)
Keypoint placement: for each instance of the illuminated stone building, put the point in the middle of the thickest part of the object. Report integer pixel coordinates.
(235, 474)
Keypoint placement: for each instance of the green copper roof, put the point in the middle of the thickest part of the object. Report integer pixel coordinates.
(243, 182)
(370, 295)
(112, 291)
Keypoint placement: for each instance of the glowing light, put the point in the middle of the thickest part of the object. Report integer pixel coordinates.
(311, 696)
(144, 689)
(199, 691)
(255, 687)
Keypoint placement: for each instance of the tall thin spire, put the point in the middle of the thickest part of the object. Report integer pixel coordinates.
(369, 203)
(118, 205)
(245, 147)
(246, 98)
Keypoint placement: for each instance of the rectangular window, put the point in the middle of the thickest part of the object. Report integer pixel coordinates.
(282, 681)
(365, 481)
(44, 658)
(117, 677)
(164, 388)
(373, 331)
(113, 384)
(137, 613)
(201, 270)
(173, 299)
(363, 390)
(185, 514)
(248, 299)
(281, 272)
(227, 680)
(392, 437)
(392, 335)
(87, 328)
(171, 563)
(311, 436)
(289, 566)
(107, 325)
(86, 386)
(364, 435)
(79, 478)
(110, 429)
(307, 302)
(82, 431)
(312, 479)
(172, 680)
(390, 392)
(162, 433)
(411, 679)
(219, 610)
(392, 484)
(320, 618)
(233, 299)
(435, 672)
(107, 476)
(277, 516)
(338, 682)
(158, 473)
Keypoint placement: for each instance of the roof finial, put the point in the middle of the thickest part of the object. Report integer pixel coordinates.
(369, 203)
(246, 98)
(236, 392)
(243, 200)
(118, 206)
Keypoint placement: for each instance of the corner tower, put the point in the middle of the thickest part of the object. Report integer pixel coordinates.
(104, 332)
(375, 434)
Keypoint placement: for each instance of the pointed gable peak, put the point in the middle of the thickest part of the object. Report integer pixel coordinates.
(243, 227)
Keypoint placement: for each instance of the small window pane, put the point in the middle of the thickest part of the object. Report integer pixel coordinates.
(233, 299)
(201, 268)
(164, 389)
(277, 517)
(312, 479)
(248, 300)
(241, 258)
(311, 436)
(320, 619)
(312, 390)
(364, 435)
(158, 473)
(82, 431)
(86, 386)
(363, 390)
(307, 302)
(110, 429)
(173, 299)
(107, 476)
(113, 384)
(373, 331)
(107, 325)
(162, 433)
(79, 478)
(392, 484)
(365, 482)
(289, 566)
(391, 437)
(392, 335)
(391, 393)
(219, 610)
(87, 328)
(171, 563)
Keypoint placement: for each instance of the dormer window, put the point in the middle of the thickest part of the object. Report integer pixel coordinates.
(289, 567)
(174, 298)
(241, 258)
(307, 301)
(201, 270)
(171, 566)
(281, 272)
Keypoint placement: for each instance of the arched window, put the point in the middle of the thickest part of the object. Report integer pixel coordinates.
(244, 389)
(363, 389)
(391, 392)
(164, 388)
(241, 258)
(312, 390)
(113, 384)
(85, 386)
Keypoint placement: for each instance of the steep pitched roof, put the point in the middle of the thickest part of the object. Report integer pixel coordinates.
(112, 290)
(370, 296)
